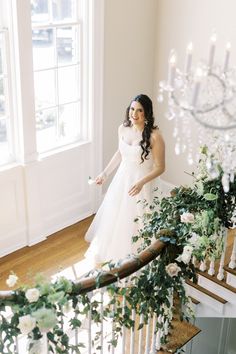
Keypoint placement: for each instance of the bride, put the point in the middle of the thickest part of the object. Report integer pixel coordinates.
(141, 159)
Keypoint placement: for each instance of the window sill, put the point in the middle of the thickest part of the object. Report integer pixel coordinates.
(55, 151)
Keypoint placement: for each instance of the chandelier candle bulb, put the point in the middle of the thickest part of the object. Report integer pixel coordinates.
(196, 87)
(172, 68)
(212, 50)
(227, 55)
(189, 58)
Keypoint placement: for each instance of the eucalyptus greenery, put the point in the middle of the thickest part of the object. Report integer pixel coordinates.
(191, 222)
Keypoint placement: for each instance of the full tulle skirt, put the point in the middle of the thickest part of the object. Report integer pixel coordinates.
(114, 224)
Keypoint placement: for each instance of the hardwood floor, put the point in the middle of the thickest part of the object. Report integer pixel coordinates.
(62, 253)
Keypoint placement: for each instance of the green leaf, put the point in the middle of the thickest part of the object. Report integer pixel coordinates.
(210, 196)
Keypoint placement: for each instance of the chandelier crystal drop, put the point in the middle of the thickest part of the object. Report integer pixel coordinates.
(202, 106)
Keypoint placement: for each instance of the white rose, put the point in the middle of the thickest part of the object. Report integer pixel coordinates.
(12, 280)
(26, 324)
(194, 240)
(188, 249)
(32, 295)
(186, 255)
(187, 218)
(172, 269)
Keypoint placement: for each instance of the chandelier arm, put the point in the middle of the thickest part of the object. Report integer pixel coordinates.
(228, 114)
(210, 126)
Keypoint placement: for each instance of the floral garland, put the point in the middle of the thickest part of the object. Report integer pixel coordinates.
(191, 222)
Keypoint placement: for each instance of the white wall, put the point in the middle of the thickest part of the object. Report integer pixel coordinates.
(217, 336)
(42, 197)
(128, 61)
(178, 23)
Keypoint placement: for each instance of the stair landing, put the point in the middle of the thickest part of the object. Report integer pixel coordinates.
(181, 333)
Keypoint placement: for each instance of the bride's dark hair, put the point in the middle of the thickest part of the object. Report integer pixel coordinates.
(149, 126)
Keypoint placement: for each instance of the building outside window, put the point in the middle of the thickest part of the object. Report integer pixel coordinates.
(57, 46)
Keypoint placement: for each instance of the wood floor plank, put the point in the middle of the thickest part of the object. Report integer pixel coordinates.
(58, 252)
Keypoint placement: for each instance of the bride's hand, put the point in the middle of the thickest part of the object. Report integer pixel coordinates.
(100, 179)
(135, 189)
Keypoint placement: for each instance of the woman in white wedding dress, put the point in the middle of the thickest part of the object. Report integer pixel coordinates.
(141, 159)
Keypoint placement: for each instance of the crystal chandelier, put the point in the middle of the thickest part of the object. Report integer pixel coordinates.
(202, 105)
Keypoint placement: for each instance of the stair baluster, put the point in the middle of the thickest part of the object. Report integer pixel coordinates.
(16, 345)
(154, 335)
(232, 263)
(211, 270)
(148, 329)
(76, 331)
(159, 334)
(89, 318)
(220, 275)
(112, 330)
(132, 337)
(203, 266)
(101, 312)
(123, 327)
(140, 340)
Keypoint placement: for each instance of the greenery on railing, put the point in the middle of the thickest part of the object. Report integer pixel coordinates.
(191, 222)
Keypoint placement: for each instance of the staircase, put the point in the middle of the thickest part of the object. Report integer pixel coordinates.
(95, 334)
(212, 296)
(215, 292)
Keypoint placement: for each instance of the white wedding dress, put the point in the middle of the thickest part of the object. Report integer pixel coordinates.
(112, 229)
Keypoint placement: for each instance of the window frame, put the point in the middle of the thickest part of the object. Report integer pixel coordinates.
(21, 84)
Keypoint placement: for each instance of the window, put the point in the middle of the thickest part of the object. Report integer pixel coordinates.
(57, 46)
(45, 49)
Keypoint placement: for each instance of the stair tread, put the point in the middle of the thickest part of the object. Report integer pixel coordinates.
(230, 270)
(217, 281)
(181, 333)
(207, 292)
(194, 301)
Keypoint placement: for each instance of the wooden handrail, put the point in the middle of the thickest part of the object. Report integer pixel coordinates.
(128, 266)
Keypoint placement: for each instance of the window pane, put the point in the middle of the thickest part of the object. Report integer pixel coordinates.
(67, 47)
(43, 48)
(68, 83)
(6, 147)
(46, 124)
(3, 131)
(44, 85)
(2, 100)
(64, 10)
(4, 144)
(39, 11)
(2, 45)
(1, 68)
(69, 121)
